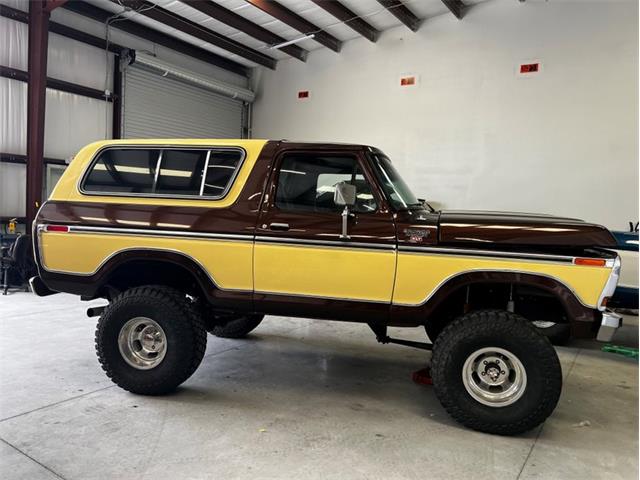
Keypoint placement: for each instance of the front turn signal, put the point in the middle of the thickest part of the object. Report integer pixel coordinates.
(591, 262)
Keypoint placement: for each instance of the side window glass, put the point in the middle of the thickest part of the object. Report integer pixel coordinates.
(181, 172)
(221, 168)
(164, 172)
(126, 170)
(307, 182)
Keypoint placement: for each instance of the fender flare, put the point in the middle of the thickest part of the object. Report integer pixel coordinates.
(575, 309)
(90, 285)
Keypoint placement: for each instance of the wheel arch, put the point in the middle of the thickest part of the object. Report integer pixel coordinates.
(547, 283)
(429, 310)
(137, 266)
(135, 261)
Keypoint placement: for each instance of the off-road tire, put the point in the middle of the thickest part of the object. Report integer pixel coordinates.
(185, 334)
(558, 333)
(433, 329)
(511, 332)
(233, 326)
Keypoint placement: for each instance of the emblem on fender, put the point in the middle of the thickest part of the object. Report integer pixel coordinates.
(416, 235)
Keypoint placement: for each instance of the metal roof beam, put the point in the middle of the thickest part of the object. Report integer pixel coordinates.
(138, 30)
(238, 22)
(456, 7)
(294, 20)
(349, 18)
(170, 19)
(402, 13)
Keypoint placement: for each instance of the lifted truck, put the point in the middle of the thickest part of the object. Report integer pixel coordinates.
(188, 236)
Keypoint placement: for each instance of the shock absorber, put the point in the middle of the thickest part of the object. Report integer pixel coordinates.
(511, 304)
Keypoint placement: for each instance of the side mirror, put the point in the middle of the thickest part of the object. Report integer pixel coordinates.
(344, 194)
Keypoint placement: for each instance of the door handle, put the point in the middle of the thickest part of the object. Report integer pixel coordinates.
(283, 227)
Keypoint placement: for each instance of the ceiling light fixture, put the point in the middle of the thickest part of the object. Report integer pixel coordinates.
(291, 42)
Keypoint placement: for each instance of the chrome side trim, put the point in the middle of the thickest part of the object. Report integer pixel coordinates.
(501, 270)
(612, 283)
(225, 236)
(487, 253)
(156, 233)
(325, 243)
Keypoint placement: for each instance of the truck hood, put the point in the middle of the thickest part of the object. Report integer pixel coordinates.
(471, 227)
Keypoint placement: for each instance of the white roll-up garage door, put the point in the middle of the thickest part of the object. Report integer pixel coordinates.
(161, 107)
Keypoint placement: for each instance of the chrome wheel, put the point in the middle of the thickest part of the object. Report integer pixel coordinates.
(494, 376)
(142, 343)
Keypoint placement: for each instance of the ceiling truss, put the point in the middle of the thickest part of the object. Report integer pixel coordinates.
(244, 56)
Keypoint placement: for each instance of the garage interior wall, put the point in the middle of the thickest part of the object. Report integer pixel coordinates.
(71, 121)
(472, 134)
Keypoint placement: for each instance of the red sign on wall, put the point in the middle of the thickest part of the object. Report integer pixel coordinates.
(407, 81)
(529, 68)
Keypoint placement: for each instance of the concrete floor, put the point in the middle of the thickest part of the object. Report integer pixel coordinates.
(298, 399)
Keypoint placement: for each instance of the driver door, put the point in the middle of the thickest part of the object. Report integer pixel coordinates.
(299, 252)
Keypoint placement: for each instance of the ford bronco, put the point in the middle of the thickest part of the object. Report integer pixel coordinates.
(182, 237)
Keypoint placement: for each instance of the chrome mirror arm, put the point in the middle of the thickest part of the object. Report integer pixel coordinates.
(345, 223)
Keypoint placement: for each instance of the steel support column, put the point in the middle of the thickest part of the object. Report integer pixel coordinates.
(116, 113)
(36, 99)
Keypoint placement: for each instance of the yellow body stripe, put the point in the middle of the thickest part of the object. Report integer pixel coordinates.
(325, 272)
(67, 186)
(420, 275)
(227, 262)
(316, 271)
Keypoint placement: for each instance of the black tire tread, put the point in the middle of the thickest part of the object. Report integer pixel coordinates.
(237, 328)
(505, 323)
(558, 334)
(194, 328)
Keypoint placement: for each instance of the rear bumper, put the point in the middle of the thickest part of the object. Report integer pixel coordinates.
(608, 326)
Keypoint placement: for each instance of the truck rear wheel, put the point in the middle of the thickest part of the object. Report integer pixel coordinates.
(150, 339)
(493, 372)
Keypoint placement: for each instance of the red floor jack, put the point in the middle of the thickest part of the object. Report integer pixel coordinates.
(422, 376)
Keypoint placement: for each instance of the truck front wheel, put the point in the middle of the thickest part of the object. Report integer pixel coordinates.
(150, 339)
(494, 372)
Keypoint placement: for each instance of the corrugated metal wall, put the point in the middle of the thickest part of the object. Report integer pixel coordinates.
(155, 106)
(71, 121)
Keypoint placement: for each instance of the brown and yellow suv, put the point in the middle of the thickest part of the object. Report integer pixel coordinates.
(188, 236)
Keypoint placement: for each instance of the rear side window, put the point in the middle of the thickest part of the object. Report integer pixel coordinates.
(181, 172)
(128, 171)
(168, 172)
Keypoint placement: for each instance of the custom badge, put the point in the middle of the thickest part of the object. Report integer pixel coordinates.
(416, 235)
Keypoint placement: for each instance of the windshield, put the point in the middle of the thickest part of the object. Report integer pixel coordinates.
(398, 192)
